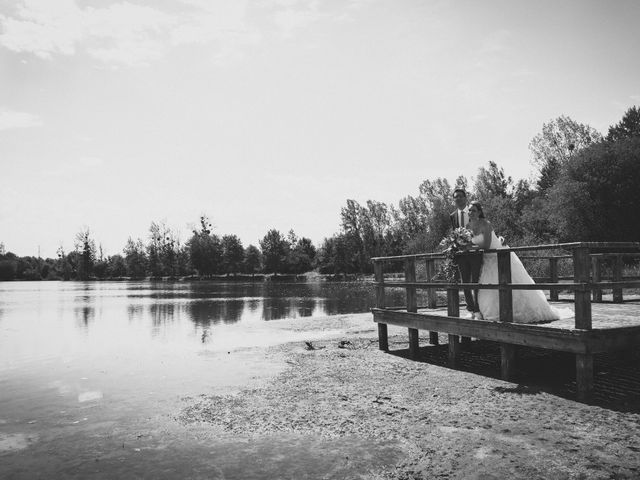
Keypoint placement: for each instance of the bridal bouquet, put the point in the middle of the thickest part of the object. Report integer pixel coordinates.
(456, 241)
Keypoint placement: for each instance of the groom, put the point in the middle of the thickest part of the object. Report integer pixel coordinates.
(468, 264)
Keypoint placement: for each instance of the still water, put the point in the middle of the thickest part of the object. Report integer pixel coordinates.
(84, 364)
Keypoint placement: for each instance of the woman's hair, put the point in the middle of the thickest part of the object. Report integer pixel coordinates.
(478, 205)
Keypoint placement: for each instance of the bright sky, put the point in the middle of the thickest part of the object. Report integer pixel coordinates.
(272, 113)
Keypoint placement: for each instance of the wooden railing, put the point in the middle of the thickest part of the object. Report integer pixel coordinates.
(587, 280)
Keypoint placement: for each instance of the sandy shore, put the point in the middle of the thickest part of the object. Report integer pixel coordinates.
(343, 409)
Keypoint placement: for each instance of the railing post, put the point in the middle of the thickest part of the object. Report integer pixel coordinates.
(383, 339)
(584, 361)
(617, 277)
(412, 304)
(582, 297)
(596, 272)
(505, 292)
(507, 351)
(553, 274)
(453, 310)
(432, 299)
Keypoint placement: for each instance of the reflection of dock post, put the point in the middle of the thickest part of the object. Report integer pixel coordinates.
(507, 351)
(584, 361)
(412, 304)
(553, 277)
(383, 340)
(453, 310)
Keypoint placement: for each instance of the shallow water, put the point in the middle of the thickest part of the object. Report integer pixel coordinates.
(95, 372)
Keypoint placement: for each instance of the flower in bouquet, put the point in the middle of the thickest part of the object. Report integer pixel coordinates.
(456, 241)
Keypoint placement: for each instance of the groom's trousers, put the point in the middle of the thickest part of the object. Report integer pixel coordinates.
(469, 265)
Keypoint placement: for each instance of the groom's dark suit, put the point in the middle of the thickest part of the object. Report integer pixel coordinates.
(469, 265)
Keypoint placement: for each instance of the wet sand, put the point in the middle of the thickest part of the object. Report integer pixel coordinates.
(340, 408)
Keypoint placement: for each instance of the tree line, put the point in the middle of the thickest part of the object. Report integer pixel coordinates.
(585, 189)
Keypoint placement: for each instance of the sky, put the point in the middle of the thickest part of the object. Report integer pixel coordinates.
(272, 113)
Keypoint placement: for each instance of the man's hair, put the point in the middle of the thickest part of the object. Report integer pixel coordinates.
(459, 190)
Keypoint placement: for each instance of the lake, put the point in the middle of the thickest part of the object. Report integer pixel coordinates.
(80, 361)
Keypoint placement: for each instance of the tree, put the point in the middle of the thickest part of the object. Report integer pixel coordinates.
(135, 258)
(205, 249)
(560, 139)
(163, 250)
(274, 251)
(116, 266)
(337, 255)
(301, 256)
(629, 126)
(252, 259)
(86, 251)
(232, 253)
(597, 193)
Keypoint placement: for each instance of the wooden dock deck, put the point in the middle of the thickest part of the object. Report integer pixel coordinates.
(596, 327)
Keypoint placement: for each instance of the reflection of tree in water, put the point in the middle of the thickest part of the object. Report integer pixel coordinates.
(85, 315)
(134, 312)
(163, 313)
(229, 310)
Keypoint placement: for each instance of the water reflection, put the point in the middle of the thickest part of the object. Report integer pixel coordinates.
(85, 315)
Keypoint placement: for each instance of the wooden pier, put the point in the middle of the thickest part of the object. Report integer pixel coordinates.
(596, 327)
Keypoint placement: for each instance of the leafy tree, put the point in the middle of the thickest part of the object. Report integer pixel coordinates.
(301, 256)
(86, 251)
(274, 251)
(598, 193)
(8, 269)
(116, 266)
(438, 197)
(163, 250)
(560, 139)
(252, 259)
(63, 266)
(205, 249)
(135, 258)
(232, 253)
(629, 126)
(337, 255)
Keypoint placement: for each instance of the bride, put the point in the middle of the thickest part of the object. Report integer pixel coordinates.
(529, 306)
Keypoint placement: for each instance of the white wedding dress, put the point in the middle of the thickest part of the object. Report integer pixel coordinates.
(529, 306)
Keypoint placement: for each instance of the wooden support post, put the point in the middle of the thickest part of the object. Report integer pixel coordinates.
(617, 277)
(507, 351)
(454, 350)
(432, 299)
(584, 377)
(596, 271)
(414, 343)
(383, 339)
(581, 274)
(453, 310)
(508, 361)
(553, 278)
(584, 362)
(505, 292)
(433, 338)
